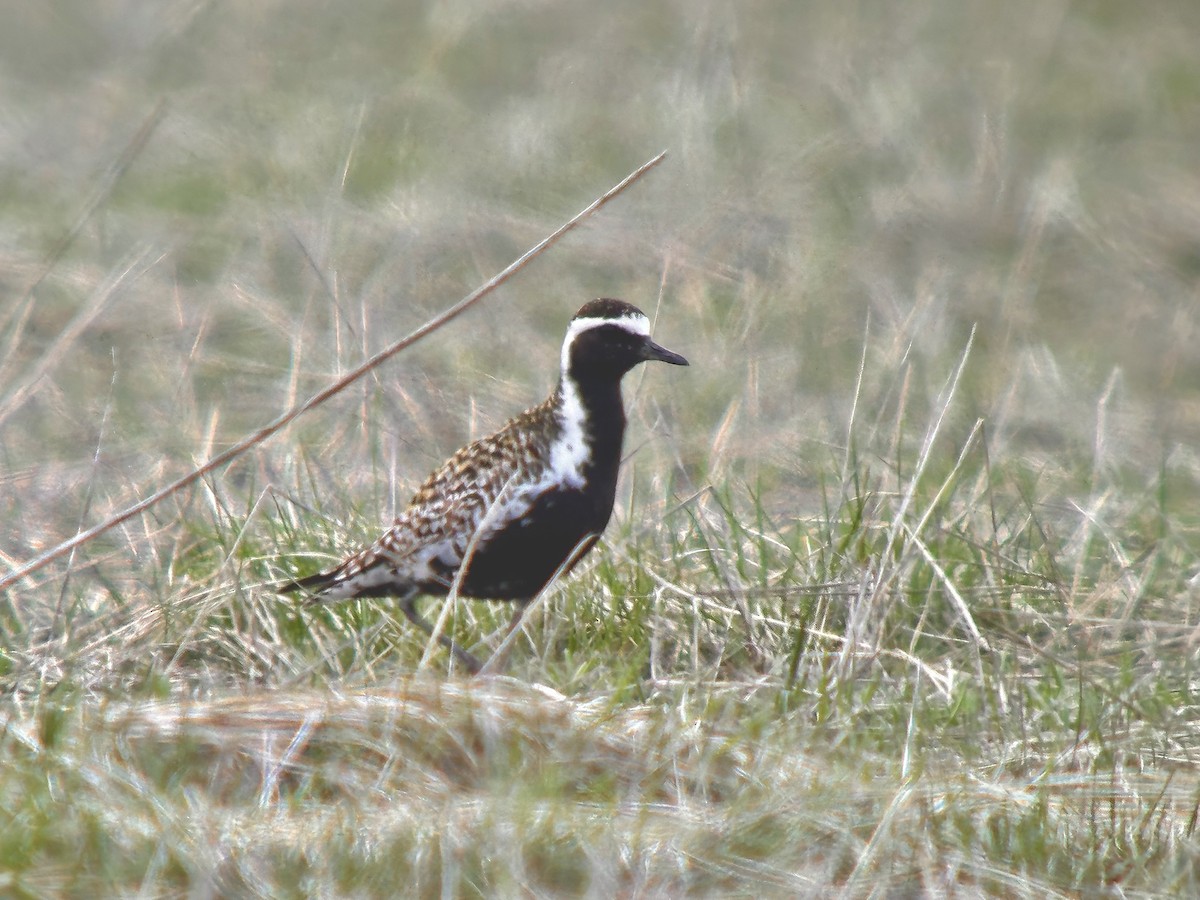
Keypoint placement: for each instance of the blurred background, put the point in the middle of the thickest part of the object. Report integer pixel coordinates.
(900, 594)
(209, 211)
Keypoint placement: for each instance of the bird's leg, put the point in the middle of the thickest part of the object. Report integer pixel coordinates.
(498, 661)
(469, 662)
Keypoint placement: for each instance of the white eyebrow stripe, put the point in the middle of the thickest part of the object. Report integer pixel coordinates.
(634, 323)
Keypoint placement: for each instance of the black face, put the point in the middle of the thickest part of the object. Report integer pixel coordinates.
(609, 351)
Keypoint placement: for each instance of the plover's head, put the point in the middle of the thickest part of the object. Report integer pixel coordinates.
(607, 338)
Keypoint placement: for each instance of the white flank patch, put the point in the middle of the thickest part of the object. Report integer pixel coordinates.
(362, 580)
(447, 556)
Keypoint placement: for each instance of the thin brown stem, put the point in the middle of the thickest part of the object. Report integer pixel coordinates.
(317, 399)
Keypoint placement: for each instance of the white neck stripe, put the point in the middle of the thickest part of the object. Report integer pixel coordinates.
(569, 451)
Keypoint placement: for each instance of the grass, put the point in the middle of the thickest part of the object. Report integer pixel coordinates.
(898, 599)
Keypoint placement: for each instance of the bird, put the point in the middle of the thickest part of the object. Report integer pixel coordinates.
(517, 507)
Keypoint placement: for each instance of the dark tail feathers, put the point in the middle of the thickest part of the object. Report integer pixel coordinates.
(312, 584)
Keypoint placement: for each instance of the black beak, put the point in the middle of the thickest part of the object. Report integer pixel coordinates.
(651, 350)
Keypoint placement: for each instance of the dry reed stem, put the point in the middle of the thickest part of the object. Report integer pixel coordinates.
(341, 384)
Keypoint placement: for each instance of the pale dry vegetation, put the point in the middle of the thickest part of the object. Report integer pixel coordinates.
(900, 595)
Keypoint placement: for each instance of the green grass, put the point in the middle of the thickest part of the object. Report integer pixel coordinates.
(899, 595)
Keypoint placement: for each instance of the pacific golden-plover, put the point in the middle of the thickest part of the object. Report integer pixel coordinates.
(521, 504)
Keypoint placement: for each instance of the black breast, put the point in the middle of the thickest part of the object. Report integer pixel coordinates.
(516, 562)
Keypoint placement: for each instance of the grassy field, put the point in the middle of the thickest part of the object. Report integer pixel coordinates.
(900, 599)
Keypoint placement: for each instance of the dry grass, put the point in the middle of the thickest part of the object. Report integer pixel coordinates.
(900, 595)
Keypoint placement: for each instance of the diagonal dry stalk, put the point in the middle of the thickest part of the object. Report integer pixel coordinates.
(341, 384)
(435, 636)
(499, 659)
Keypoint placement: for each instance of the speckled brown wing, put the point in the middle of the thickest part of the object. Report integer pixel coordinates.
(428, 541)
